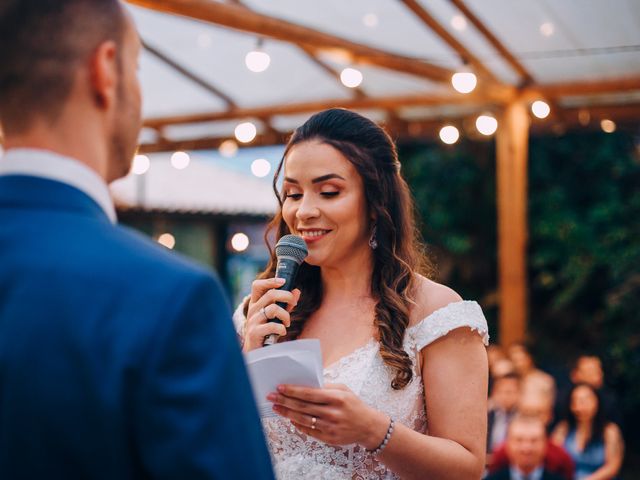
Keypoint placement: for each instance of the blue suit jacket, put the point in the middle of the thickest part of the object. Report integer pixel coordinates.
(118, 359)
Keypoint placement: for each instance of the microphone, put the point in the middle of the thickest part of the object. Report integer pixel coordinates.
(291, 251)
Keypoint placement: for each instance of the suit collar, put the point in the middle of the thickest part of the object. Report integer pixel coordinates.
(51, 166)
(23, 191)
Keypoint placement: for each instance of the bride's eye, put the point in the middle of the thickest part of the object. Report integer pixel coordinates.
(329, 194)
(294, 196)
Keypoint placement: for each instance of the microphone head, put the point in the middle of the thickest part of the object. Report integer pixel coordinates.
(292, 246)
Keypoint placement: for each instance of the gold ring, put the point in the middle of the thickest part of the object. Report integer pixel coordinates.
(265, 314)
(313, 423)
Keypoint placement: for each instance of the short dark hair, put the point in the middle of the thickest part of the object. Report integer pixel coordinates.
(42, 42)
(599, 421)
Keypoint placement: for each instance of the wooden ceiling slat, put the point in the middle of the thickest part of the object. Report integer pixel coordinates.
(623, 114)
(384, 103)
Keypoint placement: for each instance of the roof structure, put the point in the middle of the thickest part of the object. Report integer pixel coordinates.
(204, 187)
(582, 57)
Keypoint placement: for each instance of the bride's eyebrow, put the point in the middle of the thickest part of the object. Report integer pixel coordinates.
(323, 178)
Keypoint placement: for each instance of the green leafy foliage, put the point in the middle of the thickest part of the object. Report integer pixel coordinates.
(584, 242)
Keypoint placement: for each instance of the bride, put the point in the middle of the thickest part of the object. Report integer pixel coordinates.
(405, 366)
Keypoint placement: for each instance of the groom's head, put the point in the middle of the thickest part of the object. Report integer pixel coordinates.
(71, 62)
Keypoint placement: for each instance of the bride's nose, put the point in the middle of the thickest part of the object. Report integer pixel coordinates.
(307, 209)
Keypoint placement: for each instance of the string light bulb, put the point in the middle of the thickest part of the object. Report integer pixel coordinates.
(464, 81)
(449, 134)
(608, 126)
(257, 60)
(351, 77)
(540, 109)
(240, 242)
(180, 160)
(260, 167)
(228, 148)
(486, 124)
(140, 164)
(245, 132)
(167, 240)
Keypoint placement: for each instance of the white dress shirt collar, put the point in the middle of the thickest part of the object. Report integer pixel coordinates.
(516, 474)
(49, 165)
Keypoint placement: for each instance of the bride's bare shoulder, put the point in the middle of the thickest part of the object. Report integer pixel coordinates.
(429, 297)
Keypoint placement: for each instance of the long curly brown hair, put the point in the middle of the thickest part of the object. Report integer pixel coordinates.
(399, 253)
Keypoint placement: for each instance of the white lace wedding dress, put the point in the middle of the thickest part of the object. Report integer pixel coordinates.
(296, 456)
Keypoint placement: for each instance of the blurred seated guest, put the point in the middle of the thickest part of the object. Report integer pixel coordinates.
(501, 367)
(495, 353)
(595, 444)
(505, 394)
(526, 447)
(588, 369)
(533, 380)
(556, 459)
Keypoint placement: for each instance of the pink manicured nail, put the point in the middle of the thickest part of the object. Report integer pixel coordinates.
(272, 397)
(281, 388)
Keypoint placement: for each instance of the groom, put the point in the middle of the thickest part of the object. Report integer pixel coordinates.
(117, 358)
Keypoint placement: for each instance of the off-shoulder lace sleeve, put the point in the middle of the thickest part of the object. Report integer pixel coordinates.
(455, 315)
(239, 320)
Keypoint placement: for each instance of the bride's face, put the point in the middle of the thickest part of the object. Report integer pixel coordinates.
(324, 203)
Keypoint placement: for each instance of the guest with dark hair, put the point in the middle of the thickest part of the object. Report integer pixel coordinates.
(588, 369)
(534, 381)
(595, 444)
(505, 394)
(396, 344)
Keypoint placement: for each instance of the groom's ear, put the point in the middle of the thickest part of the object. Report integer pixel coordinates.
(104, 73)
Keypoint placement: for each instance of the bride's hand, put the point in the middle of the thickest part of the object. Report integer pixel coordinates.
(262, 307)
(341, 418)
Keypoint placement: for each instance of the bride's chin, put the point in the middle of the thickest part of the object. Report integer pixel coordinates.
(310, 260)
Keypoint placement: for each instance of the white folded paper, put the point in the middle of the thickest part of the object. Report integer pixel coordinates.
(298, 362)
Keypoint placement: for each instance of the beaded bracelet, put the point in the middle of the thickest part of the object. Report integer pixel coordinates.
(385, 440)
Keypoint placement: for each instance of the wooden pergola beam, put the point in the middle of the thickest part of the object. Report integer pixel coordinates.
(403, 130)
(383, 103)
(311, 55)
(240, 18)
(565, 89)
(211, 143)
(512, 148)
(395, 102)
(493, 40)
(465, 54)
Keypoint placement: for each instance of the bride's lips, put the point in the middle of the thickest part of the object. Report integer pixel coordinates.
(312, 235)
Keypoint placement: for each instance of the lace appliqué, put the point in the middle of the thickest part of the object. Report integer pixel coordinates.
(296, 456)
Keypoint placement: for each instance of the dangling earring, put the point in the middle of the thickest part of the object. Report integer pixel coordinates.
(373, 240)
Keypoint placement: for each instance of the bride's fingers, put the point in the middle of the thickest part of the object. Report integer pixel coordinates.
(270, 297)
(261, 286)
(296, 405)
(296, 297)
(269, 313)
(265, 329)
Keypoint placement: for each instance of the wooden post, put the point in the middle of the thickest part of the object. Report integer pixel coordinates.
(511, 158)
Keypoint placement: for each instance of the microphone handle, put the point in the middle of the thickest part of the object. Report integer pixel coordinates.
(286, 268)
(272, 338)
